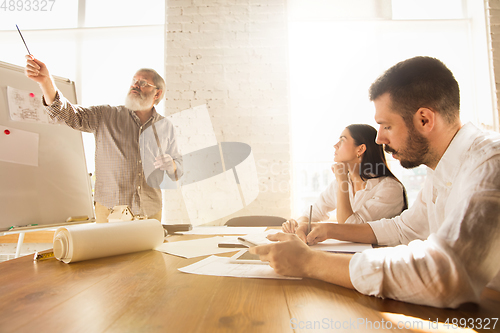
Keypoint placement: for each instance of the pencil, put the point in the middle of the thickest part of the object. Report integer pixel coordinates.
(310, 217)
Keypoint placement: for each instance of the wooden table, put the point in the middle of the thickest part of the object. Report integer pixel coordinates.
(144, 292)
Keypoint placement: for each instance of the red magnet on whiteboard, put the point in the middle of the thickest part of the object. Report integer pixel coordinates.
(7, 132)
(32, 95)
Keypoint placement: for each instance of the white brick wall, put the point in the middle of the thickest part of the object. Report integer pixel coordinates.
(493, 17)
(232, 56)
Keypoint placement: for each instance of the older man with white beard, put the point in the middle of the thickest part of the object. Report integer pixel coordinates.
(120, 178)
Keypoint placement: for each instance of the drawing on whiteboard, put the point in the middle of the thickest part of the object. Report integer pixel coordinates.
(26, 106)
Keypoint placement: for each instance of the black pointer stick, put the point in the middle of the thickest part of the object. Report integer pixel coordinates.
(23, 40)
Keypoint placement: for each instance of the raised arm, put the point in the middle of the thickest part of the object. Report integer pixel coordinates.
(38, 72)
(58, 107)
(344, 206)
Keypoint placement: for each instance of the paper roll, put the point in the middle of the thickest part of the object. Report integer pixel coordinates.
(91, 241)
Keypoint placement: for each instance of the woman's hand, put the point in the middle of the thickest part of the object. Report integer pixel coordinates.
(340, 170)
(290, 226)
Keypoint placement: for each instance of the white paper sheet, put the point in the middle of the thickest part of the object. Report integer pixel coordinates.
(18, 146)
(220, 266)
(223, 230)
(261, 237)
(197, 247)
(27, 106)
(99, 240)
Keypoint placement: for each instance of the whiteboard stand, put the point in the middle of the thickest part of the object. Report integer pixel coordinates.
(20, 241)
(23, 230)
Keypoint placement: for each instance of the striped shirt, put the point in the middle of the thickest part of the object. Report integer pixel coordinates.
(119, 171)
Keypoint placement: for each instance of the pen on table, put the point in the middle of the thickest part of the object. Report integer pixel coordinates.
(246, 242)
(23, 40)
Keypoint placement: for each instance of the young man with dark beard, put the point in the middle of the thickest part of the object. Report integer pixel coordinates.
(445, 248)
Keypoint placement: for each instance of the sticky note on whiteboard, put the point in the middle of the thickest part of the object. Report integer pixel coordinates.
(18, 146)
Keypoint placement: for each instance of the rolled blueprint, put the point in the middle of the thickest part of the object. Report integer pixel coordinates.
(99, 240)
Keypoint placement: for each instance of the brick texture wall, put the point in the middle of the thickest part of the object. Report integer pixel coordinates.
(232, 57)
(493, 23)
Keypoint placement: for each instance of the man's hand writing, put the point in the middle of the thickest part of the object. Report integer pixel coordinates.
(289, 256)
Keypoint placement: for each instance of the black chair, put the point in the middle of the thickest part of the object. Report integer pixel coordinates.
(255, 221)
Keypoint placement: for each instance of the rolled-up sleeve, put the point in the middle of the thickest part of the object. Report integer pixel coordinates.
(410, 225)
(451, 266)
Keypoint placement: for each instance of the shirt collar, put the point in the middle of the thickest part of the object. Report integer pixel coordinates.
(154, 115)
(452, 159)
(370, 183)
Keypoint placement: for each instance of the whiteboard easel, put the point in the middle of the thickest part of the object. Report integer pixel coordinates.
(56, 188)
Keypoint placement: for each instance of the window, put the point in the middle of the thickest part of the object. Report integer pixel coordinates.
(98, 44)
(336, 52)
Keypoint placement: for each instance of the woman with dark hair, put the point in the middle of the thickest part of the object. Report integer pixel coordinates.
(364, 188)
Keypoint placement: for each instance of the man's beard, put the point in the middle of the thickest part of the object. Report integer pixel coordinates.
(415, 152)
(138, 102)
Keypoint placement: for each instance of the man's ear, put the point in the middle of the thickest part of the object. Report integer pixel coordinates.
(158, 94)
(424, 120)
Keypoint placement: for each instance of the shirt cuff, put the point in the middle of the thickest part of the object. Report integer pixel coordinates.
(57, 98)
(384, 233)
(366, 272)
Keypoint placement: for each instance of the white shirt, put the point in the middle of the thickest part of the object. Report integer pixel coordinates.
(381, 198)
(451, 234)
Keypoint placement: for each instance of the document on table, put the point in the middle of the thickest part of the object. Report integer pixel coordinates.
(197, 247)
(220, 266)
(222, 230)
(333, 245)
(259, 238)
(329, 245)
